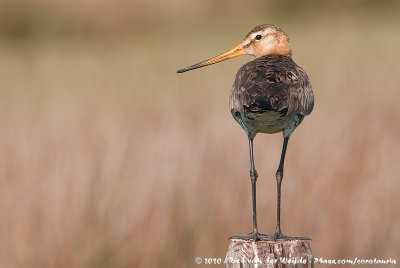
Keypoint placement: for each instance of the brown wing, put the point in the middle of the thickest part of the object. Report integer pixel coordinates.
(272, 83)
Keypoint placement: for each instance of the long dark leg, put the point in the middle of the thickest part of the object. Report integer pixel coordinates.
(253, 177)
(279, 177)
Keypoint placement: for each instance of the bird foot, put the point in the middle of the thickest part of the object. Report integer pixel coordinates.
(254, 236)
(278, 236)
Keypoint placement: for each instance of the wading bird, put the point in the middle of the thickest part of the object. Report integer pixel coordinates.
(270, 94)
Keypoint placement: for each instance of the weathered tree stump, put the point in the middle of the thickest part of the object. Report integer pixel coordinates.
(269, 254)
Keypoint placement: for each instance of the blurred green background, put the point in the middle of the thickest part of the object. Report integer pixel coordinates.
(108, 158)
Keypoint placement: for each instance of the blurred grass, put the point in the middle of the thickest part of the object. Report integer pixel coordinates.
(110, 159)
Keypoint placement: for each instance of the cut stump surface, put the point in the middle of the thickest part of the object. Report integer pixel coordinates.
(268, 254)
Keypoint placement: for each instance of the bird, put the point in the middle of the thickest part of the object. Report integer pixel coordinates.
(270, 94)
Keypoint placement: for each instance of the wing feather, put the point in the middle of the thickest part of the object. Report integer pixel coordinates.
(272, 83)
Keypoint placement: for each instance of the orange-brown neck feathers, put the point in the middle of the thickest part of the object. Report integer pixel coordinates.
(281, 46)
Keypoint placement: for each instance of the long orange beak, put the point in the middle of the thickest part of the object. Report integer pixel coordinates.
(236, 51)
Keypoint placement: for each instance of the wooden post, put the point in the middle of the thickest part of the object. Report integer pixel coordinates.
(269, 254)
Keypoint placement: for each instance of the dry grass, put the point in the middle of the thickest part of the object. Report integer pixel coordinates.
(110, 159)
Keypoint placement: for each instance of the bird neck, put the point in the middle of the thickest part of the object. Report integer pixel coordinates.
(283, 50)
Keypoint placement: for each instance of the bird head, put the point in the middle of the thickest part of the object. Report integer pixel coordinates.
(262, 40)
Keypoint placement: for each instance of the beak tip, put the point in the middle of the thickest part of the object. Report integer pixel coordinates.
(236, 51)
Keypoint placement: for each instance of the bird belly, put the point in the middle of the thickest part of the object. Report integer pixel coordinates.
(269, 122)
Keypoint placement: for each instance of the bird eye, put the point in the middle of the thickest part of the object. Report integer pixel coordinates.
(258, 37)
